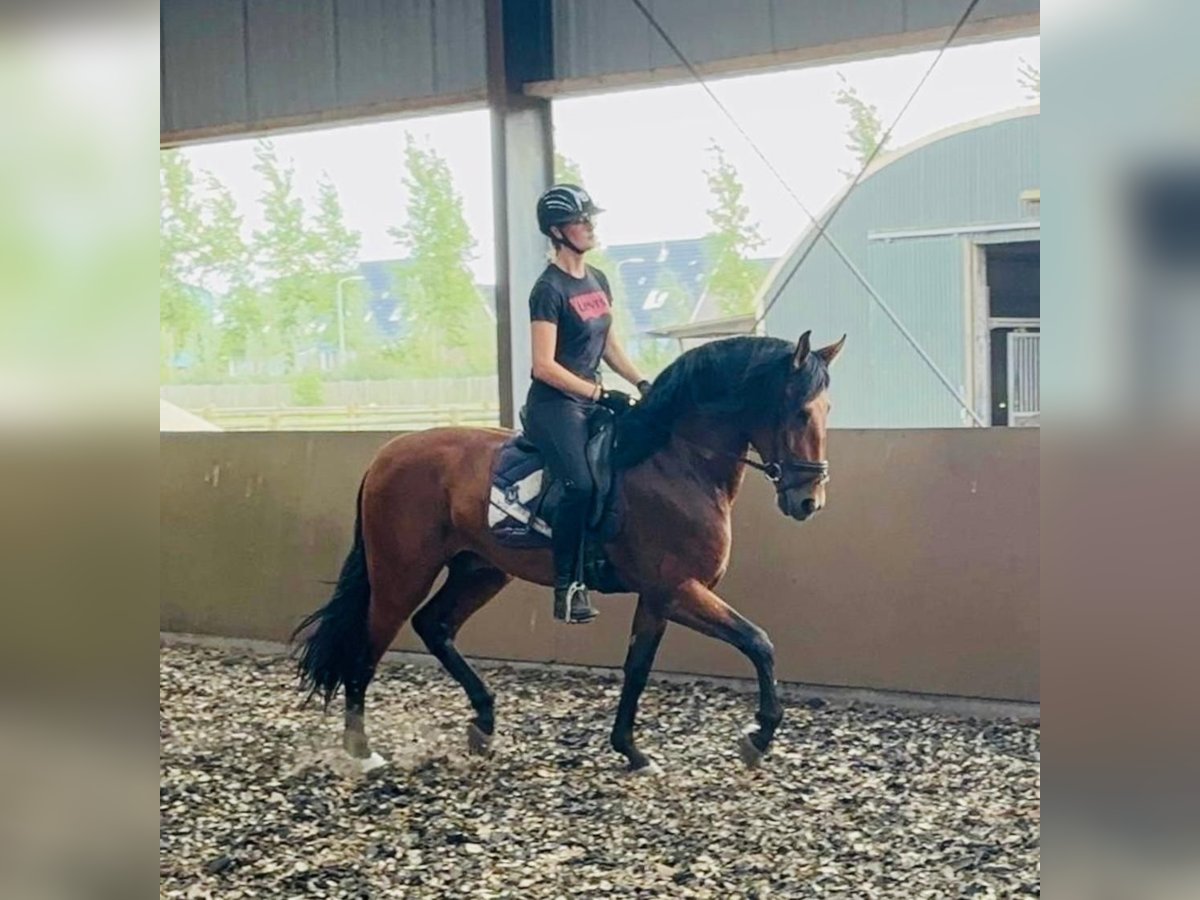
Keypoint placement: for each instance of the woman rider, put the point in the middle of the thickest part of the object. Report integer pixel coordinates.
(571, 320)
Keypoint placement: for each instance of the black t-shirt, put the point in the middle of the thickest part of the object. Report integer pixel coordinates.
(582, 310)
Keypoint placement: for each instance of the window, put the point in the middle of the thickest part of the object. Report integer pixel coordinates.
(333, 279)
(1014, 332)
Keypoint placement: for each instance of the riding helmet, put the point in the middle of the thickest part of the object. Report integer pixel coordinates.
(563, 203)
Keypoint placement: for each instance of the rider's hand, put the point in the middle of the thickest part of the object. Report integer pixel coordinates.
(617, 401)
(643, 387)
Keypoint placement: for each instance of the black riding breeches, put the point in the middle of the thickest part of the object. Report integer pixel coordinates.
(559, 429)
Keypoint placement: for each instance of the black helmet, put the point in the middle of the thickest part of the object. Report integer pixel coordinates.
(563, 203)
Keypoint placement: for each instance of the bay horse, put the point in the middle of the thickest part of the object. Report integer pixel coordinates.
(422, 508)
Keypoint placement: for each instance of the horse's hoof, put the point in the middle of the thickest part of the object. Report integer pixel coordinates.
(355, 744)
(371, 763)
(479, 742)
(749, 753)
(649, 770)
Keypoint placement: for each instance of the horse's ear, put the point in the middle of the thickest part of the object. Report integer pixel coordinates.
(829, 354)
(802, 350)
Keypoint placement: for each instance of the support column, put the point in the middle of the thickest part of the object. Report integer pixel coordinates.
(518, 50)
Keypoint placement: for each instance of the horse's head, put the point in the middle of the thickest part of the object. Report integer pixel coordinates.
(797, 446)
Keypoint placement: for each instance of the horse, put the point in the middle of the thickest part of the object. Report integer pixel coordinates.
(681, 454)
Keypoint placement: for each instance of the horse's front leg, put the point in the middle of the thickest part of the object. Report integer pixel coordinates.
(648, 627)
(700, 609)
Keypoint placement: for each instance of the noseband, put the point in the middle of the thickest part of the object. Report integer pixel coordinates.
(778, 473)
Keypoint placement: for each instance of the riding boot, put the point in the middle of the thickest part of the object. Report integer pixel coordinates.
(571, 601)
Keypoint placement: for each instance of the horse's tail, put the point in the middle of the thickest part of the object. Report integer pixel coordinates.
(336, 651)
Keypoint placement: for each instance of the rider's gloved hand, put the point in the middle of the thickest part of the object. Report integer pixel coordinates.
(643, 387)
(617, 401)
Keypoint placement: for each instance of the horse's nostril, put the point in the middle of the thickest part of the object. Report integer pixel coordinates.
(808, 506)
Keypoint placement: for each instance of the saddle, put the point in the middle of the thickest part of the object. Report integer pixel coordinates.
(524, 495)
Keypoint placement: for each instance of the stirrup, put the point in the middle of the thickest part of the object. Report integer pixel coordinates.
(573, 605)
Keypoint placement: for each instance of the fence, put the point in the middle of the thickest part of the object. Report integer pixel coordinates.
(477, 391)
(351, 418)
(393, 404)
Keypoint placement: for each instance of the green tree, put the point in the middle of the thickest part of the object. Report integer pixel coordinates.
(865, 130)
(566, 170)
(731, 239)
(335, 256)
(285, 252)
(181, 308)
(1029, 76)
(301, 258)
(439, 294)
(230, 264)
(202, 257)
(336, 245)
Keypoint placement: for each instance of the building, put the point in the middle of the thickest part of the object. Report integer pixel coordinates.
(947, 232)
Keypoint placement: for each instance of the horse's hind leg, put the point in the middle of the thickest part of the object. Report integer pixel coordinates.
(398, 586)
(469, 586)
(648, 628)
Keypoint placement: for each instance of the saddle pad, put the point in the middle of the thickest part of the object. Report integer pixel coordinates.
(516, 486)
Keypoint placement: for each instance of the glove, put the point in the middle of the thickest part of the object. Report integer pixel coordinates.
(643, 387)
(617, 401)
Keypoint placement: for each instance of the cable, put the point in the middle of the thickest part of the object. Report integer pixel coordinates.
(866, 164)
(821, 227)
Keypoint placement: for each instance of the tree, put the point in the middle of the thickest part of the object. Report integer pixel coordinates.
(566, 170)
(440, 295)
(284, 251)
(230, 264)
(301, 258)
(202, 258)
(335, 245)
(179, 251)
(1029, 77)
(335, 253)
(224, 301)
(732, 237)
(865, 130)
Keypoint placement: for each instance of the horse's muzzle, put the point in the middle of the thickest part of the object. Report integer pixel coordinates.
(800, 508)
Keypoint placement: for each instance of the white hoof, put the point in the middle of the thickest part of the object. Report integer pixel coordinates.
(371, 763)
(750, 754)
(649, 770)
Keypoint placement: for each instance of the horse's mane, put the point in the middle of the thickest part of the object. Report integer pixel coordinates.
(739, 376)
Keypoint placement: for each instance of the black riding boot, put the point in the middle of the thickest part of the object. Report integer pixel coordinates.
(571, 601)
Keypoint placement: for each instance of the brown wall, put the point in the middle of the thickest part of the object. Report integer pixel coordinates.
(921, 575)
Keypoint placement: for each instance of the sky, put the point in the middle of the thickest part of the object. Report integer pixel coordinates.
(643, 153)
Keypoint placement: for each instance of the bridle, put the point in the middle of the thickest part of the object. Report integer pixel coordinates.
(786, 473)
(777, 472)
